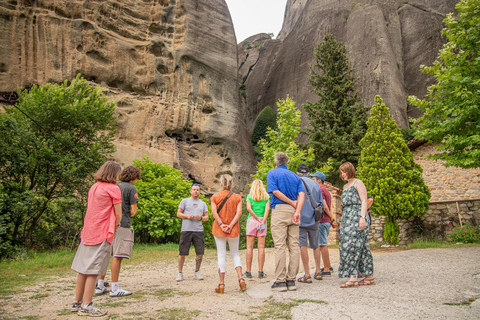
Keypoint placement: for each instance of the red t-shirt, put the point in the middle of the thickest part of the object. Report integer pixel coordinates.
(99, 223)
(328, 199)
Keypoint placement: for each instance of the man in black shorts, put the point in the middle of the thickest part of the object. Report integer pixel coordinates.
(192, 211)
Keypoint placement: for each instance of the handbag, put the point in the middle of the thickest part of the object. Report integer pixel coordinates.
(318, 209)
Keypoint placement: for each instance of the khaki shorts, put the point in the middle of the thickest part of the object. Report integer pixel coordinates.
(92, 259)
(122, 244)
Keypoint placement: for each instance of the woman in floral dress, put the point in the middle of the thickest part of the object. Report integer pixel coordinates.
(355, 255)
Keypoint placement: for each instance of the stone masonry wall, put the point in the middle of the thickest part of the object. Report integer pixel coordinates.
(447, 184)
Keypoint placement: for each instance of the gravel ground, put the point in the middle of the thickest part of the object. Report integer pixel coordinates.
(410, 284)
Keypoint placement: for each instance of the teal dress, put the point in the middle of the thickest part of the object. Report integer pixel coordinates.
(355, 255)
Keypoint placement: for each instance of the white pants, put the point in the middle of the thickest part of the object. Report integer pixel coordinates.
(222, 252)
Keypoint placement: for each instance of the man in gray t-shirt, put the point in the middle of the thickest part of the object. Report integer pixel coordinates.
(192, 211)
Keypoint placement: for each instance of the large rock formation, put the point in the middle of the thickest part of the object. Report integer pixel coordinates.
(170, 64)
(386, 43)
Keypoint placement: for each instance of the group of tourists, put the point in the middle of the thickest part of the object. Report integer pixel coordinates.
(296, 202)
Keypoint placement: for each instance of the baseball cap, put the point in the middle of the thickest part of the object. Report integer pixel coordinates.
(320, 175)
(302, 168)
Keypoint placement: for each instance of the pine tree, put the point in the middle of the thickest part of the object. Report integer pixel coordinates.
(391, 176)
(337, 119)
(265, 119)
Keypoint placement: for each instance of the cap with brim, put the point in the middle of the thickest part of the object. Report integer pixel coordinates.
(320, 175)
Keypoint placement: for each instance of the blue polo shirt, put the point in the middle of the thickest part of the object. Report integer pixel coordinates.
(286, 182)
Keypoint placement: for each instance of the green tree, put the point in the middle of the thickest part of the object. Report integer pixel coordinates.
(282, 140)
(452, 105)
(160, 192)
(337, 119)
(58, 135)
(265, 119)
(391, 176)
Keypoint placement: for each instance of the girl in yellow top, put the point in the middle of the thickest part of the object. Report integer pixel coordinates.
(258, 206)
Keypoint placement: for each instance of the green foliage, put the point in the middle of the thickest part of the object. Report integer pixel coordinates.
(282, 140)
(337, 119)
(160, 192)
(265, 119)
(407, 134)
(466, 234)
(53, 155)
(391, 176)
(452, 105)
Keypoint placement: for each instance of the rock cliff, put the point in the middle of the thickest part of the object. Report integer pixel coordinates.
(170, 64)
(386, 40)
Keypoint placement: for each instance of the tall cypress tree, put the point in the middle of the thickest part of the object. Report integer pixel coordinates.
(337, 119)
(391, 176)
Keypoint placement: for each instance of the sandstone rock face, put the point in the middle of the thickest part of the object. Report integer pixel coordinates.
(170, 64)
(386, 43)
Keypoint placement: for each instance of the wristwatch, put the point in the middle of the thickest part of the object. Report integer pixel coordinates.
(222, 223)
(362, 217)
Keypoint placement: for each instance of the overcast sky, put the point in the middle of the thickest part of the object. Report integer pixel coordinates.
(256, 16)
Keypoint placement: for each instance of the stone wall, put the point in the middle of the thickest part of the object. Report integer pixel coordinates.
(447, 184)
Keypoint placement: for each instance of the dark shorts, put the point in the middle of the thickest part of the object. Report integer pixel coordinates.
(186, 239)
(308, 236)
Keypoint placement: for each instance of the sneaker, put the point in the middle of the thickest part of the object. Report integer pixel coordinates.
(247, 274)
(120, 293)
(198, 276)
(279, 286)
(91, 311)
(99, 292)
(291, 285)
(326, 274)
(76, 306)
(179, 276)
(261, 275)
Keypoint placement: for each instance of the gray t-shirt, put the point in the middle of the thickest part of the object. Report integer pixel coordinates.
(129, 197)
(196, 208)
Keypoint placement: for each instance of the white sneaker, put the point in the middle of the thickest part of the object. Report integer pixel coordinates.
(99, 292)
(120, 293)
(91, 311)
(198, 276)
(179, 276)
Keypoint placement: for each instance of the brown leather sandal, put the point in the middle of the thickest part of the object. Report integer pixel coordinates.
(242, 284)
(349, 284)
(220, 289)
(366, 282)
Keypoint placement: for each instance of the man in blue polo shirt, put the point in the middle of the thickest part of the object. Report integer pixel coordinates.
(287, 200)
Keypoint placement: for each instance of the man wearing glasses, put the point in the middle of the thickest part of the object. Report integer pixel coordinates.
(192, 211)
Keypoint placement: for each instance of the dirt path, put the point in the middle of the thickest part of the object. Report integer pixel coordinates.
(410, 285)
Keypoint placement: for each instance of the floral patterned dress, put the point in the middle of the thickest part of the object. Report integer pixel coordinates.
(355, 255)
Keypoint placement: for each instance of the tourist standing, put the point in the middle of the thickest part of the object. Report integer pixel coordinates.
(287, 200)
(355, 255)
(104, 212)
(227, 209)
(192, 211)
(258, 206)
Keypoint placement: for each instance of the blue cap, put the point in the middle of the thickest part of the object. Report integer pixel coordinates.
(320, 175)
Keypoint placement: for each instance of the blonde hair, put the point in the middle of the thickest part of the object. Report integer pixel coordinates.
(226, 181)
(258, 192)
(349, 169)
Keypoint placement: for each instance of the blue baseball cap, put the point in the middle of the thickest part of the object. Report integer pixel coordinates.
(320, 175)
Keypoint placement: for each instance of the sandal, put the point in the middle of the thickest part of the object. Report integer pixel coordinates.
(305, 279)
(366, 282)
(318, 276)
(242, 284)
(220, 289)
(349, 284)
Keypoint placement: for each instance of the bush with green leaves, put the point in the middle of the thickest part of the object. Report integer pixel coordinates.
(52, 142)
(452, 105)
(391, 176)
(465, 234)
(282, 139)
(160, 191)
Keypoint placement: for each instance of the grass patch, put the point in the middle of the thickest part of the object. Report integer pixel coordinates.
(112, 304)
(281, 310)
(133, 313)
(300, 301)
(64, 312)
(427, 244)
(178, 313)
(39, 296)
(33, 266)
(463, 303)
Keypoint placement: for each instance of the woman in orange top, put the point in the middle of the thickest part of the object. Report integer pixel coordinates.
(227, 229)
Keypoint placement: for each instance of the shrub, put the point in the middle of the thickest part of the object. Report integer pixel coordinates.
(466, 234)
